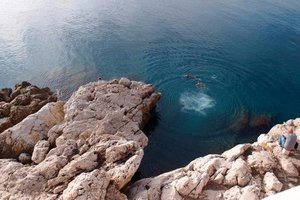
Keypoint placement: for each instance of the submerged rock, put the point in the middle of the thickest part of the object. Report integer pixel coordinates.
(241, 122)
(260, 120)
(247, 121)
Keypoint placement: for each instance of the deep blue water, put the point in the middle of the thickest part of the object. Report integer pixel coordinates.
(247, 53)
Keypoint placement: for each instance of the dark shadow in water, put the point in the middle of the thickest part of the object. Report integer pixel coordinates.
(148, 130)
(137, 176)
(249, 130)
(249, 133)
(153, 122)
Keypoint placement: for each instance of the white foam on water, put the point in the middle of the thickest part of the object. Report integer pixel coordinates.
(214, 76)
(197, 102)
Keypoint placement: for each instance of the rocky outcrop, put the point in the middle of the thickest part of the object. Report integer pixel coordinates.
(90, 149)
(24, 100)
(22, 137)
(247, 171)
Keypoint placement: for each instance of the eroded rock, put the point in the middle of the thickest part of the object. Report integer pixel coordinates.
(91, 146)
(271, 183)
(23, 136)
(17, 104)
(88, 148)
(241, 173)
(40, 151)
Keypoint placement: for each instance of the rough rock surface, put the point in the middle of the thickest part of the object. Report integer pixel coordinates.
(17, 104)
(88, 150)
(247, 171)
(22, 137)
(271, 182)
(91, 146)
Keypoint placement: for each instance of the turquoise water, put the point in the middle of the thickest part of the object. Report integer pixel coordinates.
(246, 54)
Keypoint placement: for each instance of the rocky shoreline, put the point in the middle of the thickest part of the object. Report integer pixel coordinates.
(91, 146)
(18, 103)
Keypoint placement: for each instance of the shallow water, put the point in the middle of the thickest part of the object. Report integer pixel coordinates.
(244, 55)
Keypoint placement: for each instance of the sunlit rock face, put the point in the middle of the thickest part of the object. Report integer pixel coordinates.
(87, 148)
(91, 146)
(247, 171)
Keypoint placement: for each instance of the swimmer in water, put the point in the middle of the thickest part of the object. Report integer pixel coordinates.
(191, 76)
(200, 84)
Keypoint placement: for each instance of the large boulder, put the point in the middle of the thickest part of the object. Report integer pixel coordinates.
(262, 161)
(238, 174)
(271, 183)
(88, 148)
(23, 136)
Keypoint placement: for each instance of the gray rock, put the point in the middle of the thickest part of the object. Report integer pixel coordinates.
(24, 158)
(91, 147)
(126, 82)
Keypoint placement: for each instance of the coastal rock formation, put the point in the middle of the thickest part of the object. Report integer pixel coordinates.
(88, 148)
(24, 100)
(22, 137)
(247, 171)
(91, 146)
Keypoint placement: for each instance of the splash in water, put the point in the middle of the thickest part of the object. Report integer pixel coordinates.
(197, 102)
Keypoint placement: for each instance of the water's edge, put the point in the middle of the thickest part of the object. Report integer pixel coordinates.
(246, 171)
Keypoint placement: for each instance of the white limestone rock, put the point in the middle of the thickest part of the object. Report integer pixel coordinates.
(93, 147)
(126, 82)
(271, 183)
(262, 161)
(238, 174)
(169, 192)
(87, 149)
(23, 136)
(236, 151)
(90, 185)
(233, 193)
(288, 167)
(40, 151)
(250, 193)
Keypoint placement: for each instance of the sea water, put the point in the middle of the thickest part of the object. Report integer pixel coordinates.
(219, 64)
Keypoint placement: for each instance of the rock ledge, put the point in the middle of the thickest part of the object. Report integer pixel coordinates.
(247, 171)
(86, 148)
